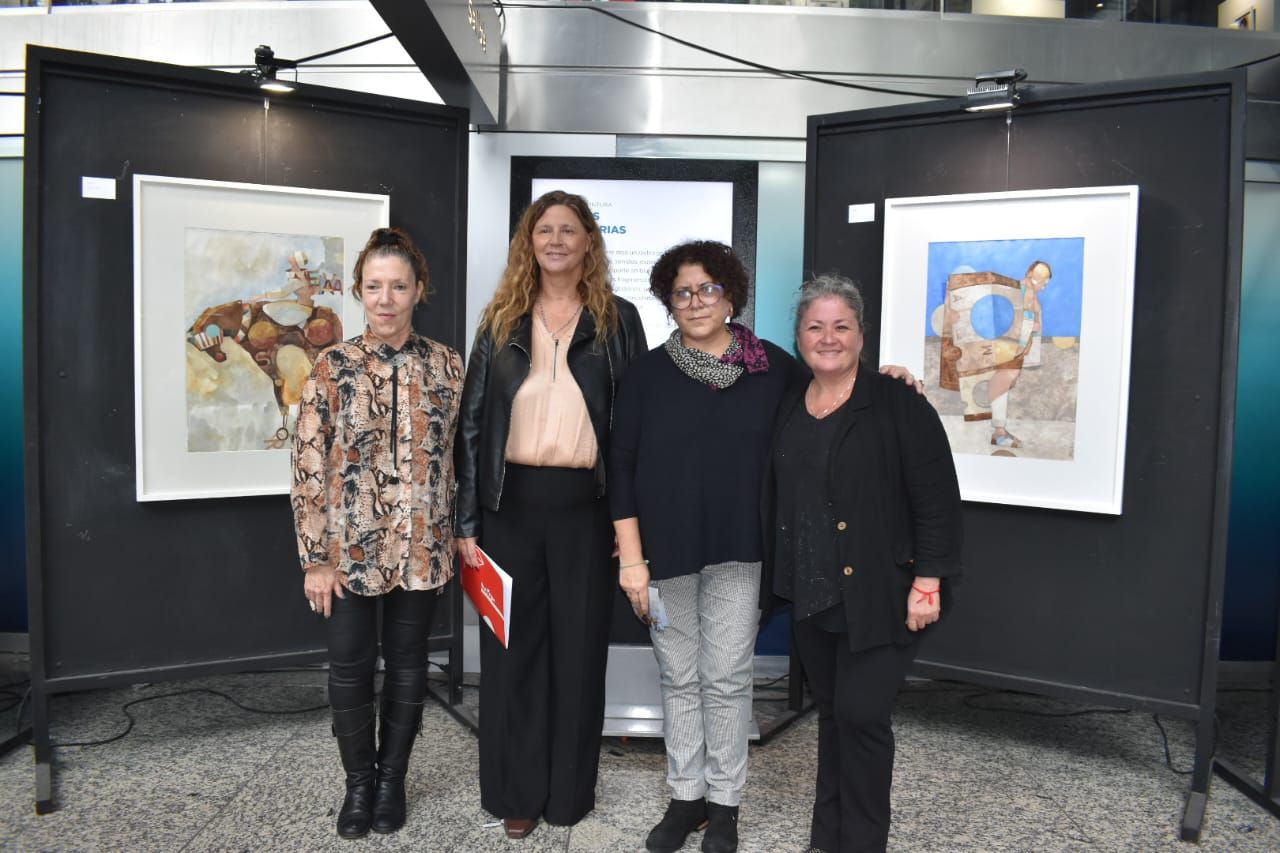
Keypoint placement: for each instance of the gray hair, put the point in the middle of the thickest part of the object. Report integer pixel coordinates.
(821, 286)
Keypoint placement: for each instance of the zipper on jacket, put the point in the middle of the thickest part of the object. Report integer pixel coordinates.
(502, 480)
(613, 388)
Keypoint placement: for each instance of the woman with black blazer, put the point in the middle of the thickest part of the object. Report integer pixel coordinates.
(861, 514)
(530, 453)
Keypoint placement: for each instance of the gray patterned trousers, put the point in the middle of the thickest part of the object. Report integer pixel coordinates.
(705, 662)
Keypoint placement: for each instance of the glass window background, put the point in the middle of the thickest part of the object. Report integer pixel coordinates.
(13, 558)
(1253, 545)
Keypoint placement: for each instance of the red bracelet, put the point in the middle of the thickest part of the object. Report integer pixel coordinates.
(928, 596)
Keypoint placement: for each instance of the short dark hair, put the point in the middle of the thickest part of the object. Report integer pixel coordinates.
(396, 243)
(719, 261)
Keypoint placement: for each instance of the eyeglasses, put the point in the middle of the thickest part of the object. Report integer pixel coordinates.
(708, 294)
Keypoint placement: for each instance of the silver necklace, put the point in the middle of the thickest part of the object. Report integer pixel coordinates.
(834, 403)
(555, 336)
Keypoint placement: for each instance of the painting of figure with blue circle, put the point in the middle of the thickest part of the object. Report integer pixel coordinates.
(1002, 344)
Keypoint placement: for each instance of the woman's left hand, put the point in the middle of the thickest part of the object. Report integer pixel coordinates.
(319, 586)
(634, 580)
(924, 603)
(899, 372)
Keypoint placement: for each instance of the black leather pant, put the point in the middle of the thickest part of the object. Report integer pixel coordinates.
(353, 646)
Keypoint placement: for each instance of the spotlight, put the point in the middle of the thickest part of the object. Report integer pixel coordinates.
(266, 66)
(994, 90)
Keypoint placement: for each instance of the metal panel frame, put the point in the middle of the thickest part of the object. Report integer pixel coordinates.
(1202, 710)
(42, 61)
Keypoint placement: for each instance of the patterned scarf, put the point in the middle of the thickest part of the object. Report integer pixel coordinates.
(745, 354)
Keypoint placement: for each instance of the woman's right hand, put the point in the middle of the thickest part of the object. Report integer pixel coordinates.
(467, 551)
(320, 586)
(634, 581)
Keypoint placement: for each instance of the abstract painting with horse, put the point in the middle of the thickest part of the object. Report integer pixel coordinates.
(259, 308)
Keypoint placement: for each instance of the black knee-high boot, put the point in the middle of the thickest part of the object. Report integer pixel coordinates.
(400, 723)
(354, 730)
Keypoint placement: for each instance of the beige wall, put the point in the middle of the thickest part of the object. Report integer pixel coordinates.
(1230, 10)
(1021, 8)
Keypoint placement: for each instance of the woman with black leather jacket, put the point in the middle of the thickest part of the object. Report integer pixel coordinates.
(530, 453)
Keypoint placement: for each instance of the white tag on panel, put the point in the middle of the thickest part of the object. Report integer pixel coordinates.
(98, 188)
(862, 213)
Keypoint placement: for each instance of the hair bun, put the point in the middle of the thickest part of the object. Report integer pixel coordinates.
(386, 237)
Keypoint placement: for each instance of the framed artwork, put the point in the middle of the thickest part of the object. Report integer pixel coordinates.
(237, 289)
(1016, 310)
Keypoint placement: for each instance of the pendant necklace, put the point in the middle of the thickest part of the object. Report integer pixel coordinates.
(837, 401)
(555, 336)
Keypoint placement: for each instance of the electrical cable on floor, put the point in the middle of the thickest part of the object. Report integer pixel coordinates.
(1164, 741)
(1080, 712)
(759, 66)
(17, 723)
(969, 702)
(124, 709)
(926, 686)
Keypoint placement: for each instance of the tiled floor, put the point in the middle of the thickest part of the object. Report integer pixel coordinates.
(197, 773)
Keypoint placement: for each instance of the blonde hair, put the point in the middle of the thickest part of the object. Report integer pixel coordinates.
(518, 288)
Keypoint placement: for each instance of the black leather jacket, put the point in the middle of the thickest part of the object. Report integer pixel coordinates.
(480, 447)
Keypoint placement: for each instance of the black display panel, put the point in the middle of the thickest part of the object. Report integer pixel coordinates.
(121, 588)
(1120, 609)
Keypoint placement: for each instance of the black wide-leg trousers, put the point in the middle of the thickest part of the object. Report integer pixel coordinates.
(542, 698)
(855, 692)
(353, 646)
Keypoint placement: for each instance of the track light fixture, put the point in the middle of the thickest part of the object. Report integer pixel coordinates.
(994, 90)
(266, 66)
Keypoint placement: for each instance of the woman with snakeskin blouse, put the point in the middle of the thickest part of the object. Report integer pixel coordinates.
(372, 498)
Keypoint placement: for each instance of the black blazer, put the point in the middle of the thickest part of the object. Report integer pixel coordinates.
(493, 377)
(891, 481)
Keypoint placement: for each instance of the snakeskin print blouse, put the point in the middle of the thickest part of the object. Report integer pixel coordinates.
(373, 481)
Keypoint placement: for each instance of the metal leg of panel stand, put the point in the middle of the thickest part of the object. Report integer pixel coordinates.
(450, 697)
(455, 709)
(1264, 793)
(455, 650)
(1247, 785)
(43, 751)
(796, 705)
(1202, 772)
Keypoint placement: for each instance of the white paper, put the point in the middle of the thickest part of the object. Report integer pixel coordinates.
(98, 188)
(657, 610)
(862, 213)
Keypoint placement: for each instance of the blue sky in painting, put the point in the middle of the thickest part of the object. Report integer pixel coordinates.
(1060, 300)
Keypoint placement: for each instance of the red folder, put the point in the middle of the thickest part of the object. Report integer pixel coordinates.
(489, 589)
